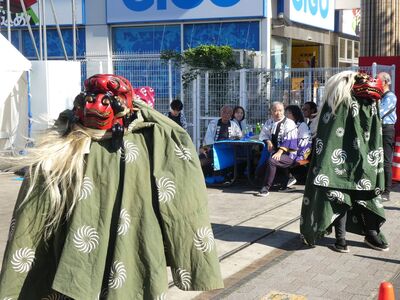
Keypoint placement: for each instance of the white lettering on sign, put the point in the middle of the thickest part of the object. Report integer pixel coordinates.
(16, 19)
(122, 11)
(143, 5)
(317, 13)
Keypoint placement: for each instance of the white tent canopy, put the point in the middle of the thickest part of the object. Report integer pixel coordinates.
(12, 65)
(14, 118)
(25, 114)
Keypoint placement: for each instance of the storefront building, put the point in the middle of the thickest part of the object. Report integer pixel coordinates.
(282, 33)
(348, 37)
(301, 34)
(125, 26)
(43, 28)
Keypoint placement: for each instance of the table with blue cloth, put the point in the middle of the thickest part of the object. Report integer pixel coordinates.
(230, 153)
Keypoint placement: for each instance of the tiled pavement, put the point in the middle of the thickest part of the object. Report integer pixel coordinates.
(320, 273)
(279, 262)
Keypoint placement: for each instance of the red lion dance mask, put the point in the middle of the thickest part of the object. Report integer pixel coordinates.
(105, 102)
(367, 87)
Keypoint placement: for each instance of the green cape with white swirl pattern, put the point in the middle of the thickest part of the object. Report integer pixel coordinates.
(346, 170)
(141, 209)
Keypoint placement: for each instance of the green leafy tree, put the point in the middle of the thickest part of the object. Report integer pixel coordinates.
(217, 59)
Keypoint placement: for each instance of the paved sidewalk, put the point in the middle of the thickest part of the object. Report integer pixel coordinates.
(320, 273)
(276, 261)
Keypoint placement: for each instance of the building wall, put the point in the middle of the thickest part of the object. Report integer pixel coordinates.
(380, 28)
(347, 4)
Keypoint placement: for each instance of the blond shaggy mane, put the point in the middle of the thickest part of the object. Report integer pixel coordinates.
(56, 167)
(338, 90)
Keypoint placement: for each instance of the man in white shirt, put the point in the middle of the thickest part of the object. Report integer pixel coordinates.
(221, 129)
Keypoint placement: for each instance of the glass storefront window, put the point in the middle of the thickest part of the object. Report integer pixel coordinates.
(349, 49)
(356, 49)
(146, 38)
(342, 48)
(54, 47)
(348, 52)
(14, 37)
(238, 35)
(280, 52)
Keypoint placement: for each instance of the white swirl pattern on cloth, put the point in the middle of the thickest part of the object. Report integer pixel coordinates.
(340, 172)
(129, 152)
(124, 222)
(375, 157)
(11, 230)
(355, 109)
(182, 152)
(204, 239)
(55, 296)
(362, 203)
(87, 188)
(117, 275)
(363, 184)
(86, 239)
(378, 191)
(22, 260)
(166, 189)
(339, 156)
(335, 196)
(319, 146)
(374, 110)
(340, 131)
(162, 296)
(182, 279)
(321, 180)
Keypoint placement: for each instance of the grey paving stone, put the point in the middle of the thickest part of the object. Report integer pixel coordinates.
(338, 295)
(311, 291)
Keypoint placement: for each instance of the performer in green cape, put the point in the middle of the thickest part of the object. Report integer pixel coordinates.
(110, 200)
(346, 176)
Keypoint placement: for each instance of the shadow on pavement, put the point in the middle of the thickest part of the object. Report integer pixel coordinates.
(280, 239)
(331, 240)
(248, 189)
(391, 208)
(394, 261)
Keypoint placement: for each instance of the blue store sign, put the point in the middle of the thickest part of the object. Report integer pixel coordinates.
(122, 11)
(317, 13)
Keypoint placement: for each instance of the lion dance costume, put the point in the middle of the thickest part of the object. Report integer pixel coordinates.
(111, 199)
(346, 171)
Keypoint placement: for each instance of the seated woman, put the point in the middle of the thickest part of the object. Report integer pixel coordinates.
(294, 113)
(310, 110)
(238, 116)
(280, 135)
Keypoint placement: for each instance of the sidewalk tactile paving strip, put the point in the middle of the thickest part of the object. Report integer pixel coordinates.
(274, 295)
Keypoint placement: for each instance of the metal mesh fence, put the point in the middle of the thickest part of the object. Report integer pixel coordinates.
(141, 69)
(150, 70)
(253, 89)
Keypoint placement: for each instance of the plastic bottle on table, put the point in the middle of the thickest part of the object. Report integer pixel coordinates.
(258, 128)
(250, 131)
(245, 132)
